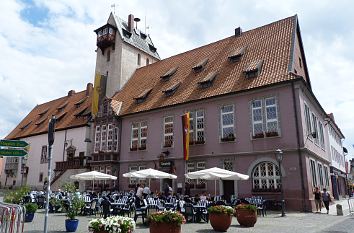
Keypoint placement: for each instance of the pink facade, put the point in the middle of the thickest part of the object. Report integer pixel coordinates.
(242, 155)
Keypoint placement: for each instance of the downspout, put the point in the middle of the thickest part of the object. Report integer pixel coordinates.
(64, 145)
(299, 148)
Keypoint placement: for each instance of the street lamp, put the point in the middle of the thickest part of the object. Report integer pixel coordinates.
(279, 158)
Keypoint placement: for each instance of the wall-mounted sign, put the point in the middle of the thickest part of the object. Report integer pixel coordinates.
(166, 163)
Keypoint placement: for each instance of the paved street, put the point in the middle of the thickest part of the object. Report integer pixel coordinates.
(293, 222)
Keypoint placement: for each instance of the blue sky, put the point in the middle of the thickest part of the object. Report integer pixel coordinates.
(48, 46)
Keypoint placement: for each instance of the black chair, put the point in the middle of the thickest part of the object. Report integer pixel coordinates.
(188, 212)
(141, 211)
(41, 202)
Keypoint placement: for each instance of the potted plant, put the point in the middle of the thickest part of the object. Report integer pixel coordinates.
(166, 221)
(272, 134)
(220, 217)
(73, 209)
(229, 138)
(112, 224)
(258, 135)
(246, 214)
(31, 208)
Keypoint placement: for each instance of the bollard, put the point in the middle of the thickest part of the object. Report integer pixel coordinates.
(339, 210)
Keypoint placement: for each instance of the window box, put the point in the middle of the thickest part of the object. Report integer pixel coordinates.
(133, 148)
(201, 186)
(272, 134)
(229, 138)
(131, 185)
(167, 145)
(142, 147)
(258, 135)
(199, 142)
(271, 190)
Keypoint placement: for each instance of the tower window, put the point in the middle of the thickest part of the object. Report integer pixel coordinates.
(139, 59)
(300, 62)
(147, 61)
(108, 55)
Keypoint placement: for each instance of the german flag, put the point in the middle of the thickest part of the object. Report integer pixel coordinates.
(185, 128)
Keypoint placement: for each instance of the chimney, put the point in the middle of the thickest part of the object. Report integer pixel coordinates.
(71, 92)
(238, 32)
(130, 22)
(89, 88)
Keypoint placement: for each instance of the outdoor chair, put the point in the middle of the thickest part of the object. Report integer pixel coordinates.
(41, 202)
(90, 209)
(141, 211)
(188, 212)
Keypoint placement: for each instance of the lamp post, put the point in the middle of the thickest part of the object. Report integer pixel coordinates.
(279, 158)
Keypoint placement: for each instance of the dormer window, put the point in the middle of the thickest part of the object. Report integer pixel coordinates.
(253, 69)
(78, 103)
(152, 48)
(237, 54)
(43, 112)
(208, 80)
(172, 89)
(126, 33)
(142, 97)
(59, 117)
(143, 35)
(61, 107)
(26, 125)
(168, 74)
(81, 113)
(40, 122)
(200, 66)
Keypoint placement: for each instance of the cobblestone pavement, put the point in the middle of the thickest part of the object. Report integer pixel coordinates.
(272, 223)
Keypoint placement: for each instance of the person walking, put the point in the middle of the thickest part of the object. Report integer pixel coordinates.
(318, 201)
(326, 198)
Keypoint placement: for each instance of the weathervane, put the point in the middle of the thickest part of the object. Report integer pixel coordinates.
(114, 8)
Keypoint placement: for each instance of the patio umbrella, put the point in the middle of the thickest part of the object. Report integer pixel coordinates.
(150, 173)
(93, 175)
(215, 174)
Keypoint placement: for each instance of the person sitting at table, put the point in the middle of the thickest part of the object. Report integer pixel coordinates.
(146, 191)
(106, 207)
(139, 191)
(203, 197)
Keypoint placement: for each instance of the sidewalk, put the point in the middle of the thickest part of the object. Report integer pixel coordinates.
(333, 209)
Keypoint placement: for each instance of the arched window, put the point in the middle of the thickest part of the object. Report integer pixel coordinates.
(266, 177)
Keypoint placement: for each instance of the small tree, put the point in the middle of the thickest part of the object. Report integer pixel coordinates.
(16, 196)
(76, 203)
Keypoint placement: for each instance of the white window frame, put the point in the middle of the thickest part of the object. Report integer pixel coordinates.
(320, 174)
(110, 137)
(314, 127)
(259, 121)
(321, 135)
(227, 126)
(103, 137)
(97, 139)
(115, 139)
(275, 177)
(313, 170)
(264, 117)
(307, 115)
(140, 126)
(326, 175)
(194, 116)
(167, 136)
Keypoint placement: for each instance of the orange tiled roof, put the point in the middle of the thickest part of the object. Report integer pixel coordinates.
(70, 110)
(271, 43)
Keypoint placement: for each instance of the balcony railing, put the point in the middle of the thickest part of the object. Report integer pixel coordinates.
(75, 163)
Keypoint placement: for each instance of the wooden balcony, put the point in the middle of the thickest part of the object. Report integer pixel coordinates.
(74, 163)
(105, 41)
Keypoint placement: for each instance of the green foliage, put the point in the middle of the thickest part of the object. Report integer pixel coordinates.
(16, 196)
(76, 203)
(31, 207)
(246, 207)
(221, 209)
(171, 217)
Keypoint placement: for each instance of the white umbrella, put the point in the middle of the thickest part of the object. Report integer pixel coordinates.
(150, 173)
(216, 173)
(93, 175)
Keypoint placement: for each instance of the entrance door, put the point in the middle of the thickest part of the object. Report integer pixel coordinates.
(229, 189)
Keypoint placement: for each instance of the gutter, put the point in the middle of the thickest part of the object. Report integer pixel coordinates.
(299, 149)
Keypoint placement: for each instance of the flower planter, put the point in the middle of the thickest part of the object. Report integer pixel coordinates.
(258, 135)
(71, 225)
(29, 217)
(163, 227)
(220, 222)
(272, 134)
(246, 217)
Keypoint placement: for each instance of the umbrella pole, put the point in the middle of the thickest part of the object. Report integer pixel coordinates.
(214, 188)
(149, 182)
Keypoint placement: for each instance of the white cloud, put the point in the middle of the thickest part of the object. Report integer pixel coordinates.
(39, 63)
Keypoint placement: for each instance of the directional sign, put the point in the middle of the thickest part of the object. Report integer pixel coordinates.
(13, 143)
(12, 152)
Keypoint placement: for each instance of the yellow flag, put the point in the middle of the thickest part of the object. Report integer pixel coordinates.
(96, 94)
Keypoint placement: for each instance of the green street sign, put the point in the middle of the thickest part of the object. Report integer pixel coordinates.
(13, 143)
(12, 152)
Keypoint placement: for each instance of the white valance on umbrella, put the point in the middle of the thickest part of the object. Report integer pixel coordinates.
(150, 174)
(215, 174)
(93, 175)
